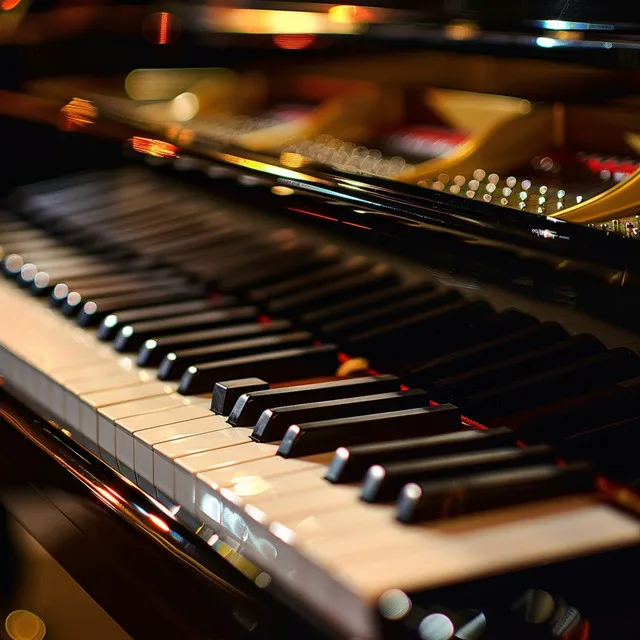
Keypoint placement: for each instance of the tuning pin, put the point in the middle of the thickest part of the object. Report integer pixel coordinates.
(504, 202)
(526, 185)
(561, 194)
(459, 180)
(471, 193)
(522, 205)
(511, 182)
(444, 178)
(494, 178)
(455, 189)
(507, 192)
(479, 175)
(543, 190)
(438, 186)
(474, 184)
(490, 187)
(487, 197)
(523, 195)
(578, 199)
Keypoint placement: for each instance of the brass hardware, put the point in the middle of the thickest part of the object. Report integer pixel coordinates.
(504, 132)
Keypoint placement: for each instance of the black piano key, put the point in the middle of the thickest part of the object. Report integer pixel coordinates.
(176, 363)
(312, 261)
(531, 338)
(94, 311)
(132, 336)
(226, 393)
(350, 464)
(424, 334)
(611, 448)
(273, 423)
(183, 247)
(110, 325)
(251, 405)
(140, 230)
(424, 501)
(280, 366)
(376, 300)
(379, 277)
(575, 414)
(128, 211)
(327, 435)
(77, 300)
(361, 322)
(132, 215)
(44, 281)
(95, 274)
(214, 269)
(383, 482)
(571, 379)
(339, 271)
(63, 266)
(153, 351)
(531, 363)
(38, 194)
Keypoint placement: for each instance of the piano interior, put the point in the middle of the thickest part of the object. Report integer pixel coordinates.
(325, 315)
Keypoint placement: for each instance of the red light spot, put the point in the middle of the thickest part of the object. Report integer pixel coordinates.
(358, 226)
(468, 422)
(315, 215)
(264, 319)
(163, 30)
(7, 5)
(295, 41)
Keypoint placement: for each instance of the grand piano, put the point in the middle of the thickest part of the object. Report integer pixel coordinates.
(321, 321)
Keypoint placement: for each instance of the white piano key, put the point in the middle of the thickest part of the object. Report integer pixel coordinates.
(226, 453)
(145, 439)
(164, 455)
(65, 401)
(465, 548)
(113, 439)
(92, 402)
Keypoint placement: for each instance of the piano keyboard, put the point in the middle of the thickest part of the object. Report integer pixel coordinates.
(203, 357)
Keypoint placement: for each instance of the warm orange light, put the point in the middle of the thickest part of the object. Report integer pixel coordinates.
(294, 41)
(345, 14)
(158, 522)
(156, 148)
(107, 495)
(163, 30)
(78, 113)
(7, 5)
